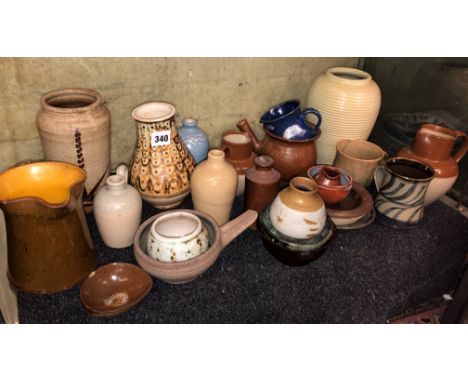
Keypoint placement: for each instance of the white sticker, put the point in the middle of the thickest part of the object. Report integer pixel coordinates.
(160, 138)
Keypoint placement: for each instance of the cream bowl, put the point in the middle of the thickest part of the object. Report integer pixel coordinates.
(177, 236)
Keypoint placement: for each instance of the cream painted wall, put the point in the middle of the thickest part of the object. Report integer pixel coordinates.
(216, 91)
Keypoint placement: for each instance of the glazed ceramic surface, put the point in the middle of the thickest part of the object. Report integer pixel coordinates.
(333, 183)
(177, 236)
(359, 159)
(293, 251)
(261, 184)
(349, 101)
(177, 272)
(161, 165)
(49, 244)
(195, 139)
(287, 121)
(74, 127)
(356, 206)
(402, 184)
(298, 211)
(214, 186)
(433, 145)
(292, 157)
(117, 209)
(238, 148)
(114, 288)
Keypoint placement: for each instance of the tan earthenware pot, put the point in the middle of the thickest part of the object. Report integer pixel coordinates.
(214, 185)
(74, 127)
(349, 102)
(359, 159)
(298, 211)
(161, 164)
(433, 145)
(184, 271)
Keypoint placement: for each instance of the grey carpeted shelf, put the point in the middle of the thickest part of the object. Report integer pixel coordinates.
(366, 276)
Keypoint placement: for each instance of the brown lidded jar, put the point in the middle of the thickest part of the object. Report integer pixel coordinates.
(261, 184)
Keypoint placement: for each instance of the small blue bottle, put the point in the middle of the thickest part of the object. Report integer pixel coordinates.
(195, 139)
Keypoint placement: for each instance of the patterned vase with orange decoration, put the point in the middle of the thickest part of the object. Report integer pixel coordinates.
(161, 165)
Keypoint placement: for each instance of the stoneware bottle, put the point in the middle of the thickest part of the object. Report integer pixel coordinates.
(261, 184)
(117, 209)
(298, 211)
(238, 148)
(161, 164)
(194, 139)
(74, 127)
(214, 184)
(433, 145)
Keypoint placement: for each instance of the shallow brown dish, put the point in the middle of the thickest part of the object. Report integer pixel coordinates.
(356, 205)
(114, 288)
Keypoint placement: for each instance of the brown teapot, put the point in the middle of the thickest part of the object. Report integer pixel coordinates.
(292, 157)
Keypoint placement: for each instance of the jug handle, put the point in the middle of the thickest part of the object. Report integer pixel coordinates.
(464, 147)
(234, 228)
(379, 176)
(122, 170)
(315, 112)
(243, 125)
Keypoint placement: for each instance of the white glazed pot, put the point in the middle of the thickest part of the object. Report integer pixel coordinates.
(177, 236)
(298, 211)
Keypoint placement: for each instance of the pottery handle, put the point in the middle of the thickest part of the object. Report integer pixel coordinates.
(379, 176)
(234, 228)
(122, 170)
(463, 148)
(244, 126)
(314, 112)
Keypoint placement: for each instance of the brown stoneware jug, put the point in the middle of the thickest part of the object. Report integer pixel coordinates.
(262, 184)
(49, 245)
(433, 145)
(292, 157)
(238, 148)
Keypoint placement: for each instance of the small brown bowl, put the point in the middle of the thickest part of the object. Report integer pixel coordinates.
(114, 288)
(334, 184)
(179, 272)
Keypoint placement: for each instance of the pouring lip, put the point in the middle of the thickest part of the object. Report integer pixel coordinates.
(38, 198)
(293, 101)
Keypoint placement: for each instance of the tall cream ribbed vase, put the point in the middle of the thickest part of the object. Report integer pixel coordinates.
(349, 102)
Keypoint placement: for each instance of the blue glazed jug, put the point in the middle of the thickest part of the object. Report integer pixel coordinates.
(194, 139)
(287, 121)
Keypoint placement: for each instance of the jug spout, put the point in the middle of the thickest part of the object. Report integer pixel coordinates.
(234, 228)
(243, 125)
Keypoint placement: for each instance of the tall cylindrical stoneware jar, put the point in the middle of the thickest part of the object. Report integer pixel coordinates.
(74, 127)
(349, 102)
(117, 209)
(214, 185)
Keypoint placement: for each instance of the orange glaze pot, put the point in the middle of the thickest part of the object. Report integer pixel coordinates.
(49, 245)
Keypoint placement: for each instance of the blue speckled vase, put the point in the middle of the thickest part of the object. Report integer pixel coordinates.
(195, 139)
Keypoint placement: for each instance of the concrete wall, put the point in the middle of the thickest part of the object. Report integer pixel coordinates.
(216, 91)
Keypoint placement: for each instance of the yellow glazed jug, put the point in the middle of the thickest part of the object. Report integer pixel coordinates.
(49, 244)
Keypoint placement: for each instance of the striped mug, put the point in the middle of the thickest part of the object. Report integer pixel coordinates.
(402, 184)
